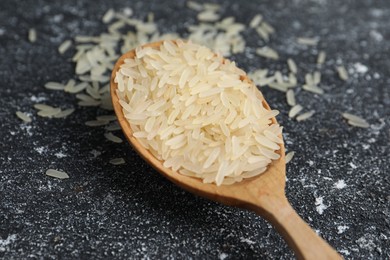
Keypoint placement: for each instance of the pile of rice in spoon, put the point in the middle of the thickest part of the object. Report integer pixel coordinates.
(197, 112)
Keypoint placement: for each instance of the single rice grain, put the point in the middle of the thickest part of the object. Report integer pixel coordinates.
(23, 116)
(57, 174)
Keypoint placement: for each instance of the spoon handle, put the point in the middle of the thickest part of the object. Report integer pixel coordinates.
(297, 233)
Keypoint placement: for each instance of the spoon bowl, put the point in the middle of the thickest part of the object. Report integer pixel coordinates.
(263, 194)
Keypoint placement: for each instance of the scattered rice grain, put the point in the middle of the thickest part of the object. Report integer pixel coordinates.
(23, 116)
(289, 156)
(113, 138)
(57, 174)
(343, 74)
(32, 35)
(305, 115)
(307, 41)
(64, 46)
(295, 110)
(117, 161)
(290, 96)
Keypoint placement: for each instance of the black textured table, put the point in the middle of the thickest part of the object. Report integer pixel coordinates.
(338, 182)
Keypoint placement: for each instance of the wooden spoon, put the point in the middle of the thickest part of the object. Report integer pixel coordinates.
(263, 194)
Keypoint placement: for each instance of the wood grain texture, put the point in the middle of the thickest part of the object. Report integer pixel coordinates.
(263, 194)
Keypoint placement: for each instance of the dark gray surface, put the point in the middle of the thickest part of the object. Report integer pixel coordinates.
(129, 211)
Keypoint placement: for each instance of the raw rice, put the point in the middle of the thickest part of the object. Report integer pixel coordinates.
(358, 124)
(355, 120)
(54, 86)
(313, 89)
(49, 113)
(321, 57)
(290, 96)
(267, 52)
(117, 161)
(23, 116)
(292, 66)
(307, 41)
(295, 110)
(113, 138)
(96, 122)
(43, 107)
(108, 16)
(57, 174)
(113, 127)
(64, 113)
(343, 74)
(202, 130)
(32, 35)
(256, 20)
(289, 156)
(194, 6)
(208, 16)
(64, 46)
(353, 117)
(305, 116)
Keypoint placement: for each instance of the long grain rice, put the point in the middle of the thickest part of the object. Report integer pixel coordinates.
(289, 156)
(26, 118)
(54, 86)
(358, 124)
(117, 161)
(43, 107)
(321, 57)
(313, 89)
(108, 16)
(96, 122)
(305, 115)
(343, 74)
(32, 35)
(307, 41)
(295, 110)
(292, 66)
(355, 120)
(57, 174)
(200, 132)
(49, 113)
(113, 138)
(256, 20)
(64, 113)
(290, 96)
(267, 52)
(64, 46)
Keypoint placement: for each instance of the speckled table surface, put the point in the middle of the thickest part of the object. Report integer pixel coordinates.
(338, 182)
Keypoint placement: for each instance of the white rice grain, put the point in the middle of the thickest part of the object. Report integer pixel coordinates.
(321, 57)
(32, 35)
(108, 16)
(292, 66)
(256, 20)
(23, 116)
(64, 113)
(289, 156)
(290, 96)
(113, 138)
(64, 46)
(54, 86)
(343, 74)
(57, 174)
(305, 115)
(267, 52)
(295, 110)
(117, 161)
(307, 41)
